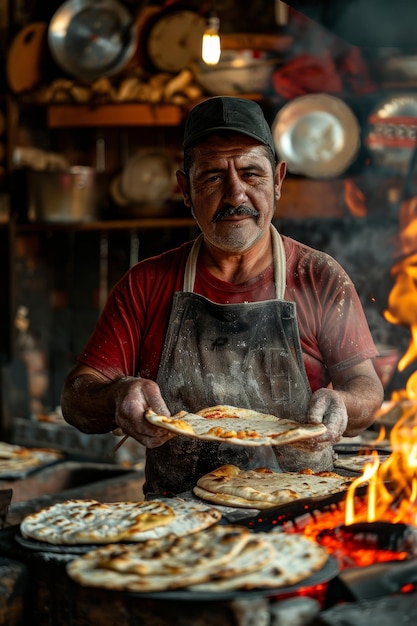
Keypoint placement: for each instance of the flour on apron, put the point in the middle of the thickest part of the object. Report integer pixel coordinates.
(247, 355)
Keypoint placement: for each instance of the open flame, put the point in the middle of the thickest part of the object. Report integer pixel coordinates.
(402, 303)
(386, 492)
(392, 484)
(402, 300)
(390, 498)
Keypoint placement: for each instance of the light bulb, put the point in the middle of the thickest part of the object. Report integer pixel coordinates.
(211, 49)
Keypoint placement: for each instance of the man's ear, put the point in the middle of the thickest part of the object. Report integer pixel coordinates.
(280, 171)
(184, 185)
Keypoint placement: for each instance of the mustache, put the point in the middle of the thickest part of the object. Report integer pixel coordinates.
(241, 209)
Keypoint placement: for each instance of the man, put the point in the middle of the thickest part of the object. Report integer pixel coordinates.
(241, 316)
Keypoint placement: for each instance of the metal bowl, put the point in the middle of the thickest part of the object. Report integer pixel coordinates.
(238, 72)
(92, 39)
(317, 135)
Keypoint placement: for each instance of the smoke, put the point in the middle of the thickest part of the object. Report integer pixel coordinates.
(365, 249)
(365, 23)
(249, 458)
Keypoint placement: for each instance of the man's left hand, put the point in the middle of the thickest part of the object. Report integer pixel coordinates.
(327, 407)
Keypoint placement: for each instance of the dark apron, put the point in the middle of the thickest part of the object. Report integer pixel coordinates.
(246, 355)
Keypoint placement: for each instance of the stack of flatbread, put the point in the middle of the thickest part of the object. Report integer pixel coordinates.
(16, 461)
(161, 545)
(220, 558)
(88, 521)
(262, 488)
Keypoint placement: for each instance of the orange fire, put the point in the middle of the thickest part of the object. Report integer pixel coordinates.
(392, 484)
(402, 300)
(387, 490)
(402, 303)
(390, 496)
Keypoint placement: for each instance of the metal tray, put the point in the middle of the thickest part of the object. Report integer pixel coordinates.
(43, 546)
(329, 571)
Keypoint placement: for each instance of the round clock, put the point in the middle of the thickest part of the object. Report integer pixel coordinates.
(174, 40)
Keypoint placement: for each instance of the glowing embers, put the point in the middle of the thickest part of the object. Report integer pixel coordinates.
(382, 525)
(362, 544)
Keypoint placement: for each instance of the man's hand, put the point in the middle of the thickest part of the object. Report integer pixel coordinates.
(94, 404)
(132, 397)
(327, 407)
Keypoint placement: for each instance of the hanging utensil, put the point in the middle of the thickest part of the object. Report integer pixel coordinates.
(90, 40)
(25, 59)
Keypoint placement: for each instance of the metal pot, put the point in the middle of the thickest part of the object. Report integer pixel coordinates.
(73, 195)
(92, 39)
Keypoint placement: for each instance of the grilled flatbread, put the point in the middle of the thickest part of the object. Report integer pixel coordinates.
(262, 488)
(156, 564)
(242, 427)
(222, 499)
(295, 559)
(75, 522)
(220, 558)
(357, 462)
(17, 460)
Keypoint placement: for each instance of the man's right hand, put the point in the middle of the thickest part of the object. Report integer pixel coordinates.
(94, 404)
(132, 397)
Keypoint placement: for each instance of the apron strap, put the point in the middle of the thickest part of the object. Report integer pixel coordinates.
(191, 265)
(279, 260)
(280, 263)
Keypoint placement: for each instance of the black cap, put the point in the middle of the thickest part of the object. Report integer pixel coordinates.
(227, 113)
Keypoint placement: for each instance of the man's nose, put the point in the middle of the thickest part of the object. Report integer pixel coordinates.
(234, 189)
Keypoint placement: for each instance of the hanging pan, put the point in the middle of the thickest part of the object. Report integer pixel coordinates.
(92, 39)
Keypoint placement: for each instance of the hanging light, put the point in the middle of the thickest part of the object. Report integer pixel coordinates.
(211, 50)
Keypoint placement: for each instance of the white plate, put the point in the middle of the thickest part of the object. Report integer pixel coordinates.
(316, 135)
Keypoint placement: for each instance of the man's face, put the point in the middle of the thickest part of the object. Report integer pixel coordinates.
(232, 191)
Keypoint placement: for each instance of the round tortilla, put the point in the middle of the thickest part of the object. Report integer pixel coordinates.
(243, 427)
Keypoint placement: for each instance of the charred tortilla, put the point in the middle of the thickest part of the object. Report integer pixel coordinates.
(295, 559)
(262, 488)
(165, 563)
(75, 522)
(220, 558)
(242, 427)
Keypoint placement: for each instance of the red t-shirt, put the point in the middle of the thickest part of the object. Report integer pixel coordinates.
(334, 333)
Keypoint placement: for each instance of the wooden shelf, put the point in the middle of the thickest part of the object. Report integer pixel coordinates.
(121, 115)
(109, 225)
(111, 115)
